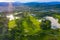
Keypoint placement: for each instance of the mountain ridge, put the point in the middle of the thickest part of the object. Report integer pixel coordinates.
(29, 3)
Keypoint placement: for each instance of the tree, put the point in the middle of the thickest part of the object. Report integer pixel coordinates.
(27, 26)
(46, 24)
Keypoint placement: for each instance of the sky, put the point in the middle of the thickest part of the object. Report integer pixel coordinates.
(29, 0)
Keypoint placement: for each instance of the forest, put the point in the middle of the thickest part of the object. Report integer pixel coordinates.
(29, 21)
(28, 26)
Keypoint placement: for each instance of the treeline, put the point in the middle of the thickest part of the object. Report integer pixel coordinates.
(29, 28)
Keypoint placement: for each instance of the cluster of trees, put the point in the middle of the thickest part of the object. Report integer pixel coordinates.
(29, 28)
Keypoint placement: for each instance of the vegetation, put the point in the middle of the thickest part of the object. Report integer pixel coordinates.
(28, 27)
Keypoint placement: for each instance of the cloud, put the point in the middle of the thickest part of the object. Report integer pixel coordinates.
(28, 0)
(6, 0)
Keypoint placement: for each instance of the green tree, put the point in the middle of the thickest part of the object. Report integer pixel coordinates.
(46, 24)
(27, 26)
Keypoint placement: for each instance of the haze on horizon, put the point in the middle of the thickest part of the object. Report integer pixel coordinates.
(29, 0)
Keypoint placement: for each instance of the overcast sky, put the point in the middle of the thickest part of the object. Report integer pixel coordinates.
(29, 0)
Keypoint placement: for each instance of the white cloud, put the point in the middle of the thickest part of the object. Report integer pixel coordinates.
(6, 0)
(36, 0)
(28, 0)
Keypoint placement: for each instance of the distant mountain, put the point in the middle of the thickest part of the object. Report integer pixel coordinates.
(29, 3)
(17, 4)
(26, 6)
(3, 4)
(42, 4)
